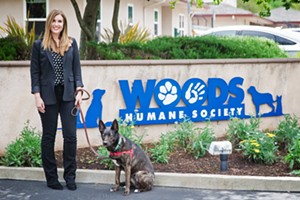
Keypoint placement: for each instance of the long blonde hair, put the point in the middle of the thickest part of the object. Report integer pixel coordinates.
(65, 40)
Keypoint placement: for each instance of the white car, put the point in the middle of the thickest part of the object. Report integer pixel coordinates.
(297, 30)
(287, 41)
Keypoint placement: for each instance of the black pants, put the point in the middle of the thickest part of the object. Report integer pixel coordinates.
(49, 125)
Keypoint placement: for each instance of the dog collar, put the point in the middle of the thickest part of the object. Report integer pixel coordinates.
(130, 152)
(119, 143)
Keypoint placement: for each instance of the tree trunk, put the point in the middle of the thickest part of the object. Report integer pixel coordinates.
(115, 22)
(88, 27)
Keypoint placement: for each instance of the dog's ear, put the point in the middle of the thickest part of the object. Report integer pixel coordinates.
(115, 126)
(102, 126)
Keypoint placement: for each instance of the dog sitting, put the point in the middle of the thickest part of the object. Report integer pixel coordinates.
(128, 157)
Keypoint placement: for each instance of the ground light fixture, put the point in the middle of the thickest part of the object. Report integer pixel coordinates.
(222, 148)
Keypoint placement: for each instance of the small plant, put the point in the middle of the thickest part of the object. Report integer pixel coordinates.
(287, 130)
(184, 132)
(193, 140)
(200, 142)
(128, 34)
(13, 48)
(134, 34)
(293, 156)
(13, 29)
(126, 128)
(239, 129)
(107, 162)
(260, 147)
(161, 150)
(25, 151)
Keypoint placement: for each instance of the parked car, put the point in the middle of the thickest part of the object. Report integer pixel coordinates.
(297, 30)
(288, 41)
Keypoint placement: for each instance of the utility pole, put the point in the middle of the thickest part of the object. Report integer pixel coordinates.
(189, 16)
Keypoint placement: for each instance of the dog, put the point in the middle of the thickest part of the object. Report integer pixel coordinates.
(260, 99)
(128, 157)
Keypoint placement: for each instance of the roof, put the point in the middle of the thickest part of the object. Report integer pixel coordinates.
(283, 15)
(222, 9)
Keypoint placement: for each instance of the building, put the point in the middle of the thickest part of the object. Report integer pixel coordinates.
(154, 15)
(285, 18)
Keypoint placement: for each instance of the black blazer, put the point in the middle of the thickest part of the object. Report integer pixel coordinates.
(43, 76)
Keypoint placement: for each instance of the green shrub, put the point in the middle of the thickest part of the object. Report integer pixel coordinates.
(25, 151)
(206, 47)
(106, 161)
(185, 135)
(212, 47)
(240, 129)
(201, 141)
(109, 52)
(287, 130)
(161, 150)
(260, 147)
(13, 29)
(17, 45)
(128, 34)
(13, 48)
(293, 156)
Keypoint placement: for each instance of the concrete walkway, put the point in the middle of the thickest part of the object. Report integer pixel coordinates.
(36, 190)
(199, 181)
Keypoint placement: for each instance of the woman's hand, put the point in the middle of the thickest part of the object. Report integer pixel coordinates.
(78, 97)
(39, 103)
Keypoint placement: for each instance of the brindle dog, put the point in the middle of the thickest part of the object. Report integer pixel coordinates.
(128, 157)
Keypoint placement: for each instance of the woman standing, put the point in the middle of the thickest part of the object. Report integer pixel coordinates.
(55, 76)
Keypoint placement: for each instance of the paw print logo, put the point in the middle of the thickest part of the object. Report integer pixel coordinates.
(194, 92)
(166, 93)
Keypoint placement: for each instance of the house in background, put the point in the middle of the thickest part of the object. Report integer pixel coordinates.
(154, 15)
(285, 18)
(225, 14)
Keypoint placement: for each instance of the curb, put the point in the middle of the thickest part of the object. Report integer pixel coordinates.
(199, 181)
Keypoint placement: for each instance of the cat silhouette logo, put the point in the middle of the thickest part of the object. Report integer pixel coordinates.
(260, 99)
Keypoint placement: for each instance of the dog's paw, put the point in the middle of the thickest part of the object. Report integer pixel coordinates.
(126, 193)
(114, 189)
(137, 191)
(167, 93)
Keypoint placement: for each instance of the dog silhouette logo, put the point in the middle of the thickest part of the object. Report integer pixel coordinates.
(94, 112)
(260, 99)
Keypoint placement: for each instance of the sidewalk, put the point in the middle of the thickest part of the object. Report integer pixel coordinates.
(36, 190)
(199, 181)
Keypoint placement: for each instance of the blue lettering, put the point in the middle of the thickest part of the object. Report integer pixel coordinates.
(137, 94)
(215, 86)
(236, 93)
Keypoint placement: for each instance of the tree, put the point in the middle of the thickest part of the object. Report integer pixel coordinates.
(87, 24)
(115, 25)
(267, 5)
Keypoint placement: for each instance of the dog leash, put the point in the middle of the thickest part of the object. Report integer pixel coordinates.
(74, 112)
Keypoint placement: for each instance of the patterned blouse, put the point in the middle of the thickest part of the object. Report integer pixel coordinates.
(58, 68)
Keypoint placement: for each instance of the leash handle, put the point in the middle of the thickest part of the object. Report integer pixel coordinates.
(83, 92)
(76, 109)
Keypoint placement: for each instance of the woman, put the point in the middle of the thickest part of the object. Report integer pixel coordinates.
(55, 76)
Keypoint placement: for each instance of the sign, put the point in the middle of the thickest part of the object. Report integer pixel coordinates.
(167, 101)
